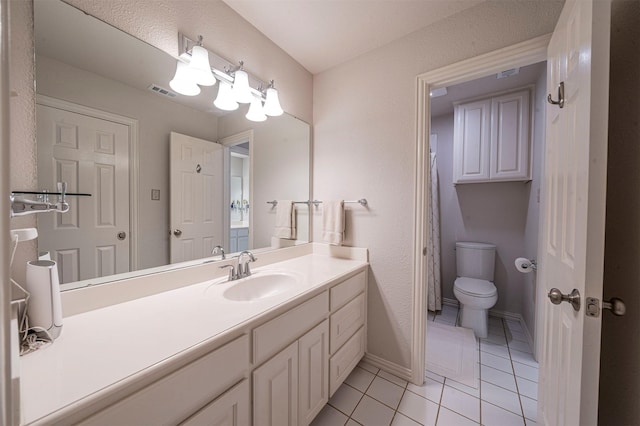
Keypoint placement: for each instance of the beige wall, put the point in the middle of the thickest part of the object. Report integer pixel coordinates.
(364, 146)
(620, 367)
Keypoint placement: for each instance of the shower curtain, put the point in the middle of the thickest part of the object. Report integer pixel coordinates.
(434, 294)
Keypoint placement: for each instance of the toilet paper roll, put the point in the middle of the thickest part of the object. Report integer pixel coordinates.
(524, 265)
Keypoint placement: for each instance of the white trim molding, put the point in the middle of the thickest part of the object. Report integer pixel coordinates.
(388, 366)
(518, 55)
(132, 124)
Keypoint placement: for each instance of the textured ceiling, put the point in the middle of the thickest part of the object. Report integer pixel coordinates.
(321, 34)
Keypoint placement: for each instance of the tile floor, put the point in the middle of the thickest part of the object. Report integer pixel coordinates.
(506, 394)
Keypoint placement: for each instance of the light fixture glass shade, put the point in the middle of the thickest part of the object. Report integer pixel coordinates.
(255, 112)
(199, 67)
(225, 100)
(182, 82)
(272, 104)
(241, 89)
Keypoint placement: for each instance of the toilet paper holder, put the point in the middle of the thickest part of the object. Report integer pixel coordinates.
(525, 265)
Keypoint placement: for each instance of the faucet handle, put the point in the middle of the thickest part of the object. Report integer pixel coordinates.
(232, 271)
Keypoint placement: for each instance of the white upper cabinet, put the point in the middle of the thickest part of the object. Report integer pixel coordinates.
(491, 139)
(471, 144)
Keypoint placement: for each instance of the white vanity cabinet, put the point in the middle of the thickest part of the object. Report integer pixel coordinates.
(292, 387)
(277, 368)
(491, 139)
(183, 392)
(233, 408)
(347, 328)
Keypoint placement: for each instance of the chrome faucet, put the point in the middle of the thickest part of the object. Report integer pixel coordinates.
(243, 267)
(232, 272)
(218, 249)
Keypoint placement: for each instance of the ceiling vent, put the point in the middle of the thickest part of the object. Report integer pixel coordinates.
(162, 91)
(508, 73)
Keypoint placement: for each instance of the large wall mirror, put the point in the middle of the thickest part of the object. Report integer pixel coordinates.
(108, 126)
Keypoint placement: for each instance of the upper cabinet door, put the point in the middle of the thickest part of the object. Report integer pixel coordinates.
(471, 146)
(510, 137)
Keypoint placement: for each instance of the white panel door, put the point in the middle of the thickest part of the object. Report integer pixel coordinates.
(313, 360)
(573, 213)
(510, 136)
(197, 184)
(275, 389)
(92, 156)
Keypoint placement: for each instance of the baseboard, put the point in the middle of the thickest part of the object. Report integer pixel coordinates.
(515, 317)
(450, 302)
(388, 366)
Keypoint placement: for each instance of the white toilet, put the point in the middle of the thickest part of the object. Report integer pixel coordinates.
(474, 288)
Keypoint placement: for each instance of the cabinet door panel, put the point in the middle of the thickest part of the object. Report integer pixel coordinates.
(230, 409)
(275, 390)
(313, 351)
(345, 360)
(510, 136)
(471, 147)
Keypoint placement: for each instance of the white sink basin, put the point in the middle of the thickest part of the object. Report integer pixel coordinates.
(259, 286)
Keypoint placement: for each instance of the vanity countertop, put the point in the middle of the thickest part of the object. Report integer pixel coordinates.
(100, 348)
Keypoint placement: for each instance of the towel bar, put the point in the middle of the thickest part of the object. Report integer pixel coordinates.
(362, 201)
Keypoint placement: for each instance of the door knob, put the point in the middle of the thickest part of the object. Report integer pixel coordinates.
(122, 235)
(177, 232)
(616, 306)
(573, 298)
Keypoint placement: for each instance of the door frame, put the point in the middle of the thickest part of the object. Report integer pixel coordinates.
(517, 55)
(132, 124)
(228, 142)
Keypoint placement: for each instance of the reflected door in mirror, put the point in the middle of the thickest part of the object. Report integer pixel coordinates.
(92, 155)
(197, 182)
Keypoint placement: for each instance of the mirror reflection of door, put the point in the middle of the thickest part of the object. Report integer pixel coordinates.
(89, 150)
(240, 196)
(196, 216)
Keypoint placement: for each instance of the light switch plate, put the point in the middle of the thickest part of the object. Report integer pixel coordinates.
(155, 194)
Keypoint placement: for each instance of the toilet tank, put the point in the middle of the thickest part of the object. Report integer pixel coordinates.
(475, 260)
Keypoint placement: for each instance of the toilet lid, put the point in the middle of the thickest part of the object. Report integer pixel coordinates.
(475, 287)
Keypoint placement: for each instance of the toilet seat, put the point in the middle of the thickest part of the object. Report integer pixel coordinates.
(475, 287)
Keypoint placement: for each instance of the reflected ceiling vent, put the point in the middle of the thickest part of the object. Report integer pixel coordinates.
(162, 91)
(508, 73)
(440, 91)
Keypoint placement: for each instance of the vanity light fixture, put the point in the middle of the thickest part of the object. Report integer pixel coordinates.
(272, 103)
(241, 89)
(225, 99)
(256, 113)
(182, 82)
(199, 66)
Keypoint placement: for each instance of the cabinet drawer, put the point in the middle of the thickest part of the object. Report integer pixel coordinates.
(347, 290)
(345, 360)
(178, 395)
(270, 338)
(229, 409)
(346, 321)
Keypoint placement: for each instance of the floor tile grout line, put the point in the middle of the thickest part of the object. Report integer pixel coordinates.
(514, 377)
